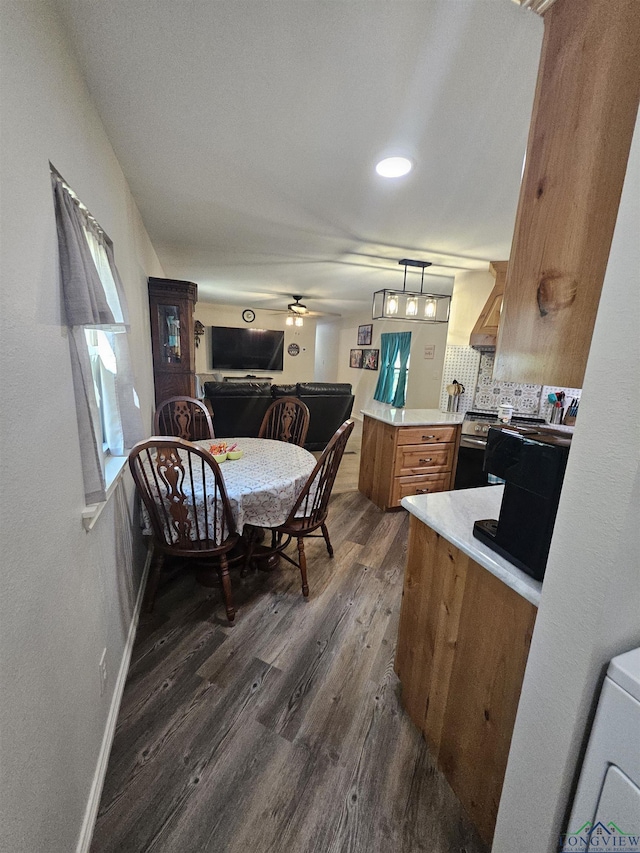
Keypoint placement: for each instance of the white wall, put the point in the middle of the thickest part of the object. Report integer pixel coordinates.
(327, 355)
(298, 368)
(470, 292)
(66, 594)
(425, 375)
(591, 593)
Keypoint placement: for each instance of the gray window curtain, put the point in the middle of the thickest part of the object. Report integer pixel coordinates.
(85, 302)
(86, 306)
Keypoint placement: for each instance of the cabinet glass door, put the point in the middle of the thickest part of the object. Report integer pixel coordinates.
(169, 334)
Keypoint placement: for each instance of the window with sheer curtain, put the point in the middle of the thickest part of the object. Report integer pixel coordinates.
(107, 406)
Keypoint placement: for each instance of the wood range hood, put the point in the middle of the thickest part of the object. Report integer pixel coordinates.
(485, 332)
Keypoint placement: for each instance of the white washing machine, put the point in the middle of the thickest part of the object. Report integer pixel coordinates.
(606, 809)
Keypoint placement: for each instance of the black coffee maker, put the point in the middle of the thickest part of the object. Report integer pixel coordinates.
(532, 467)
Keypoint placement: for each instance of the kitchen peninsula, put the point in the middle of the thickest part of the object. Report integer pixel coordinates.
(465, 628)
(406, 452)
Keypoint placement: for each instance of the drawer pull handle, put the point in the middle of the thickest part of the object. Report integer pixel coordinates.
(427, 437)
(421, 491)
(424, 461)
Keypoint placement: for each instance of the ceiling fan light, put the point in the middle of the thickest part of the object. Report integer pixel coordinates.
(299, 321)
(289, 320)
(394, 167)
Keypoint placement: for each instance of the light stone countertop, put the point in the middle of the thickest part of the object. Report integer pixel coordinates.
(410, 417)
(452, 514)
(557, 428)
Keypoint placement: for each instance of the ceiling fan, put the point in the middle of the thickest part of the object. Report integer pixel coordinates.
(297, 309)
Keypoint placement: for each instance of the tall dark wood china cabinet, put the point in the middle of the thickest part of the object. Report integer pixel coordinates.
(171, 307)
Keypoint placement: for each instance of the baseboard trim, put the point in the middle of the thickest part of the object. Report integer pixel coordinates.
(91, 811)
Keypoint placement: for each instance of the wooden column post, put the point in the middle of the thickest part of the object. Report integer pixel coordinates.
(583, 119)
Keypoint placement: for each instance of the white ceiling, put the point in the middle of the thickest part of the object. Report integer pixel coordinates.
(249, 130)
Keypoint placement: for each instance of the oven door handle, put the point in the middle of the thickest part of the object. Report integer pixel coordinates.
(467, 441)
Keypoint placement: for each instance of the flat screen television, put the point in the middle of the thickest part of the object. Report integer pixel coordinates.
(246, 349)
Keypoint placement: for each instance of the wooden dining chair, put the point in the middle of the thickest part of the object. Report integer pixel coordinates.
(311, 507)
(286, 419)
(184, 494)
(183, 417)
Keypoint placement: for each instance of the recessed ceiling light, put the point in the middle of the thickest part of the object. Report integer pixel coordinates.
(394, 167)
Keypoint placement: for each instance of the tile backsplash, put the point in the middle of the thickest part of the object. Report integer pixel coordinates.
(485, 394)
(525, 399)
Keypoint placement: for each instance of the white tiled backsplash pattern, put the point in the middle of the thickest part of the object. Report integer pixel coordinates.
(525, 399)
(460, 363)
(485, 394)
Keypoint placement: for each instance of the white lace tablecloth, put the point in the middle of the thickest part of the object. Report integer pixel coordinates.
(263, 484)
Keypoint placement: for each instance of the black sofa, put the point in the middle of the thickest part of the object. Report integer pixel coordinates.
(238, 407)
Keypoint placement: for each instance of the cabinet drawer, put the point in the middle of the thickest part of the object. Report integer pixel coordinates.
(426, 435)
(421, 484)
(419, 458)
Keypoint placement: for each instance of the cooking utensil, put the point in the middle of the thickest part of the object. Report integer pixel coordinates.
(556, 414)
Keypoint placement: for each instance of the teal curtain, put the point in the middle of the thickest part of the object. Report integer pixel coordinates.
(392, 345)
(404, 347)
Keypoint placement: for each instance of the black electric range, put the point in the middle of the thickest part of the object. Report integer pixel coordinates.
(473, 442)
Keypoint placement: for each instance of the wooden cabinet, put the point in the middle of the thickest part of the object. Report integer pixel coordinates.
(463, 643)
(171, 306)
(398, 461)
(485, 331)
(583, 120)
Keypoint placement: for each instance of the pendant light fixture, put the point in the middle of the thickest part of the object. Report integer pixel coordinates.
(407, 305)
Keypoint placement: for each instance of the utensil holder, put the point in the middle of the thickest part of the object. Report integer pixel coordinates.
(453, 402)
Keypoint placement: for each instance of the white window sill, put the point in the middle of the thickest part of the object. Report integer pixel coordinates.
(113, 468)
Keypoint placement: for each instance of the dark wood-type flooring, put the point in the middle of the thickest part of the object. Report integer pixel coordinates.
(284, 732)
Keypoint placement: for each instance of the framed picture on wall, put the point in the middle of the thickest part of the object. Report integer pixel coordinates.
(370, 358)
(355, 358)
(364, 335)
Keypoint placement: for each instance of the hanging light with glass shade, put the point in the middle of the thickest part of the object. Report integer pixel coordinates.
(407, 305)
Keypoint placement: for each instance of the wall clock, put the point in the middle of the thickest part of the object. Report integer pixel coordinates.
(248, 315)
(293, 349)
